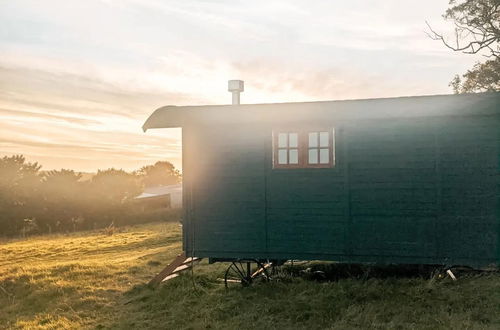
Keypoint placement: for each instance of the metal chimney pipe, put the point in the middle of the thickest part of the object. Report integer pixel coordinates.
(236, 98)
(236, 87)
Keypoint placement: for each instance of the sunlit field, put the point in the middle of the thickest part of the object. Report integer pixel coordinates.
(95, 280)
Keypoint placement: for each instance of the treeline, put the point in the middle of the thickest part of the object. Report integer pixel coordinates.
(33, 201)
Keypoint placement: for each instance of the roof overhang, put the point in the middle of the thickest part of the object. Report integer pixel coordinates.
(400, 107)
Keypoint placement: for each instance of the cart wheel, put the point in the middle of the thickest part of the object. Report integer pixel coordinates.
(245, 272)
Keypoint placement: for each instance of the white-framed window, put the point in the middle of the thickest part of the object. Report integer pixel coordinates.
(288, 148)
(304, 148)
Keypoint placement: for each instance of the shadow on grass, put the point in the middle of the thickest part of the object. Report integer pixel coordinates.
(349, 296)
(336, 271)
(330, 271)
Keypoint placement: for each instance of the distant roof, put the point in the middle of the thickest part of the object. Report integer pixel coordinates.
(413, 106)
(160, 191)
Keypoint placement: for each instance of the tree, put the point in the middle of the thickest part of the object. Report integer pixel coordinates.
(34, 201)
(19, 188)
(61, 198)
(115, 186)
(161, 173)
(477, 31)
(18, 175)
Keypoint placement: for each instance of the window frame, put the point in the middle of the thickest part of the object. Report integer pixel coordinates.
(303, 147)
(277, 148)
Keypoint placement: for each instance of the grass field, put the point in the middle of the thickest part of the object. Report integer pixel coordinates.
(91, 280)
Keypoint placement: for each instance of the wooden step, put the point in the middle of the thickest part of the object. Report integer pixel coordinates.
(169, 277)
(181, 268)
(179, 264)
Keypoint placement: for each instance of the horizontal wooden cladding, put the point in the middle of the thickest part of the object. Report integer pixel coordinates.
(396, 127)
(455, 166)
(313, 220)
(392, 211)
(329, 209)
(407, 236)
(384, 155)
(297, 188)
(227, 139)
(232, 231)
(468, 237)
(454, 148)
(476, 206)
(294, 229)
(324, 237)
(229, 243)
(479, 127)
(334, 194)
(229, 149)
(394, 195)
(394, 164)
(393, 143)
(393, 202)
(400, 193)
(216, 231)
(407, 184)
(469, 174)
(229, 210)
(306, 246)
(416, 177)
(231, 158)
(320, 176)
(228, 175)
(250, 192)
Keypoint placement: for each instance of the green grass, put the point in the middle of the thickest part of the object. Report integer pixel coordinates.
(91, 280)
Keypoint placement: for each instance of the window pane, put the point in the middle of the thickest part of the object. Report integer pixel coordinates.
(282, 140)
(324, 156)
(313, 156)
(323, 139)
(282, 156)
(293, 140)
(313, 139)
(294, 156)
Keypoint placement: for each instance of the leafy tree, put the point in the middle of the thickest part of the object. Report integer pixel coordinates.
(18, 175)
(19, 188)
(32, 201)
(161, 173)
(62, 200)
(61, 177)
(115, 186)
(477, 30)
(482, 77)
(108, 196)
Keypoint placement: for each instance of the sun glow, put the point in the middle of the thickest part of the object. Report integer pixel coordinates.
(74, 94)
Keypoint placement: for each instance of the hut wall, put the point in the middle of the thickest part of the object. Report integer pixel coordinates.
(413, 190)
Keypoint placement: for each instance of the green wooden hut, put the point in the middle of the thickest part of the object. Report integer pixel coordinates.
(408, 180)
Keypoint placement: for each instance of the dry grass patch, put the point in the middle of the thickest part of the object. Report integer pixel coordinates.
(92, 280)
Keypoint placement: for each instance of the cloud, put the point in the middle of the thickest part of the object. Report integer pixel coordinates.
(8, 114)
(78, 79)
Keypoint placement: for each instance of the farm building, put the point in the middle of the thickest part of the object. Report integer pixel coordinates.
(169, 196)
(411, 180)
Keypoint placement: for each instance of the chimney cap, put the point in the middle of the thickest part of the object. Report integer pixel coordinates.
(235, 86)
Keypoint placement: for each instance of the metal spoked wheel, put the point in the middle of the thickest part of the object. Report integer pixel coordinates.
(245, 272)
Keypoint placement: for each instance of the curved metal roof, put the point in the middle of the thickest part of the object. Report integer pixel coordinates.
(400, 107)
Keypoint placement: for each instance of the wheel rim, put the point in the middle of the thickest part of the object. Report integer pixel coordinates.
(236, 274)
(244, 272)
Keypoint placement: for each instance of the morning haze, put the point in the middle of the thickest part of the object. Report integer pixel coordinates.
(77, 79)
(246, 164)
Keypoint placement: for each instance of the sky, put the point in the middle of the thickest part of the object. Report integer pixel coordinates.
(79, 78)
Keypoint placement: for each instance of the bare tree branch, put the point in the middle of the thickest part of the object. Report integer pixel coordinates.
(477, 31)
